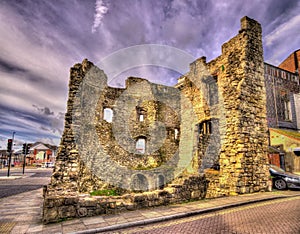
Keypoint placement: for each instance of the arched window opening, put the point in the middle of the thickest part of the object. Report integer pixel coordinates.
(139, 183)
(141, 145)
(108, 114)
(140, 114)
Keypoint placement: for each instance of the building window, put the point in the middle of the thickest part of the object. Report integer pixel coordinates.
(108, 114)
(205, 128)
(284, 106)
(140, 145)
(287, 110)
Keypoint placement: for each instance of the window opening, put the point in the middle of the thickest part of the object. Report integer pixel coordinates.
(141, 146)
(176, 131)
(139, 183)
(284, 106)
(287, 110)
(108, 114)
(205, 127)
(140, 114)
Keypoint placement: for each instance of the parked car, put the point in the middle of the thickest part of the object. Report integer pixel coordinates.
(48, 165)
(51, 164)
(282, 179)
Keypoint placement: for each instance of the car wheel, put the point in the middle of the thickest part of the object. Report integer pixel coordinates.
(280, 184)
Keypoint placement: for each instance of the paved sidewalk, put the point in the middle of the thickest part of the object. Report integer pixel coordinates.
(16, 176)
(22, 213)
(16, 173)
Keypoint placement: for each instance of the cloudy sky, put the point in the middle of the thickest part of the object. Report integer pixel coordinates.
(41, 39)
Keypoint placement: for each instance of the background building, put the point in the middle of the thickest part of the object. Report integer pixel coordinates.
(292, 62)
(282, 89)
(283, 111)
(41, 153)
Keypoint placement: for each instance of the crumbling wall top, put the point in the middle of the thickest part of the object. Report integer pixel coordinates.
(133, 80)
(249, 24)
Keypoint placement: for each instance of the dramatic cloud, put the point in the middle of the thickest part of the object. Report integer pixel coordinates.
(45, 111)
(41, 40)
(101, 10)
(279, 34)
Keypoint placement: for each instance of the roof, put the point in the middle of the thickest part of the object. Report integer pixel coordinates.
(288, 133)
(279, 68)
(42, 146)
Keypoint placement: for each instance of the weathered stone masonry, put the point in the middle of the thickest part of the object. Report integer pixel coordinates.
(220, 123)
(240, 111)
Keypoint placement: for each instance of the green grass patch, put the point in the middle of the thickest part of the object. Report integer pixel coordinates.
(105, 192)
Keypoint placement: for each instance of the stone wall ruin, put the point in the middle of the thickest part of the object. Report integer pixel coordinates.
(213, 126)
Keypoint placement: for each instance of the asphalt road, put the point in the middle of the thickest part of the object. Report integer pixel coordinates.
(34, 179)
(279, 216)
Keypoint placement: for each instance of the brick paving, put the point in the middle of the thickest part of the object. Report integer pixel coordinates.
(22, 213)
(278, 216)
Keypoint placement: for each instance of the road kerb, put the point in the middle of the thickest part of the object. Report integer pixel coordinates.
(178, 215)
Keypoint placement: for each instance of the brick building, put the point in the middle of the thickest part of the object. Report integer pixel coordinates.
(283, 110)
(292, 62)
(40, 153)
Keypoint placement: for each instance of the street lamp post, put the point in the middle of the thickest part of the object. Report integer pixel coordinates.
(10, 154)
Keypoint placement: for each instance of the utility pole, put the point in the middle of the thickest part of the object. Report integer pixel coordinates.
(10, 149)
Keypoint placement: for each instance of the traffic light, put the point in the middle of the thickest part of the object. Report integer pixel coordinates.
(27, 149)
(24, 148)
(9, 145)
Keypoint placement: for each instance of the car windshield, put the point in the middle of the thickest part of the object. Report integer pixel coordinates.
(278, 169)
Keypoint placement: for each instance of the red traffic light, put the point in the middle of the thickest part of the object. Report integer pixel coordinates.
(9, 145)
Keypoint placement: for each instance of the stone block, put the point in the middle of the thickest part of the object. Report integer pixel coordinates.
(87, 202)
(50, 215)
(82, 212)
(66, 212)
(139, 198)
